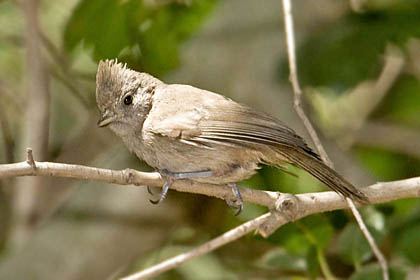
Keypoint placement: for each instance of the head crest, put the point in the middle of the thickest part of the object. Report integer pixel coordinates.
(114, 78)
(110, 79)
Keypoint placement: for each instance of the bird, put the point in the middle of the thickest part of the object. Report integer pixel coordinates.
(184, 132)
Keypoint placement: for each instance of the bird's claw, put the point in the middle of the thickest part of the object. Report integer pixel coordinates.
(238, 203)
(149, 190)
(164, 192)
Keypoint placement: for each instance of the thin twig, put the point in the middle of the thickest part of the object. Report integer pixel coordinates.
(288, 24)
(288, 21)
(30, 158)
(368, 236)
(205, 248)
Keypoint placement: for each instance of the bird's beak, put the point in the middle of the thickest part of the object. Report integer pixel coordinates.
(106, 118)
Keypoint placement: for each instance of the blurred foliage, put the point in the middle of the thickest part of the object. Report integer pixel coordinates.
(336, 56)
(335, 60)
(375, 273)
(402, 104)
(145, 36)
(348, 51)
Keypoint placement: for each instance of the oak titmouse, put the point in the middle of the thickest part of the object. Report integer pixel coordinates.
(186, 132)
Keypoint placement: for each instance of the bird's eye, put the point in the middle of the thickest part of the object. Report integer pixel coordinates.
(128, 100)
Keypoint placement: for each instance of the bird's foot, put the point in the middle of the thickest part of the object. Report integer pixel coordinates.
(238, 203)
(172, 176)
(164, 192)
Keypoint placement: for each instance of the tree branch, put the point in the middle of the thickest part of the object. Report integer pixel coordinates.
(288, 210)
(131, 177)
(320, 202)
(285, 207)
(203, 249)
(293, 77)
(290, 39)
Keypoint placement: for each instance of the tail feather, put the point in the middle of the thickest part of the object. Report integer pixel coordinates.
(325, 174)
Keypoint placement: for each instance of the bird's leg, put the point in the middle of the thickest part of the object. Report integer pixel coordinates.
(189, 175)
(172, 176)
(164, 192)
(238, 203)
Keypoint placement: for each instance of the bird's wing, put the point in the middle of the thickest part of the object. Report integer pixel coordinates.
(202, 118)
(208, 120)
(243, 125)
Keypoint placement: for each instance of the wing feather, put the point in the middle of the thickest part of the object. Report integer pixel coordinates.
(246, 126)
(209, 119)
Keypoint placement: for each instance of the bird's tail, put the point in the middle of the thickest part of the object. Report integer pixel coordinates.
(325, 174)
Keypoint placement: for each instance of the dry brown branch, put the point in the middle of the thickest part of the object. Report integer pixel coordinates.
(269, 199)
(290, 39)
(287, 207)
(288, 210)
(30, 193)
(131, 177)
(212, 245)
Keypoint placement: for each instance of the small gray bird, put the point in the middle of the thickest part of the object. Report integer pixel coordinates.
(189, 133)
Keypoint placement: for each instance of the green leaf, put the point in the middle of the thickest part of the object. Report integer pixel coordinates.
(337, 219)
(278, 258)
(290, 180)
(402, 104)
(291, 238)
(317, 230)
(386, 165)
(403, 207)
(408, 244)
(107, 26)
(349, 51)
(312, 261)
(297, 244)
(169, 26)
(352, 245)
(374, 272)
(145, 36)
(297, 238)
(374, 219)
